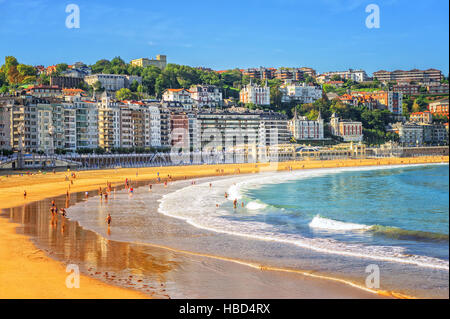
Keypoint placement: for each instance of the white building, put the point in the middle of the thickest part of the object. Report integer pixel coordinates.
(108, 124)
(206, 96)
(86, 112)
(300, 92)
(179, 95)
(255, 94)
(354, 75)
(155, 126)
(304, 129)
(112, 82)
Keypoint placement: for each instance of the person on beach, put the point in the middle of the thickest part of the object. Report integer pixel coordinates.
(226, 195)
(86, 195)
(235, 204)
(150, 187)
(63, 212)
(106, 196)
(25, 194)
(108, 220)
(165, 184)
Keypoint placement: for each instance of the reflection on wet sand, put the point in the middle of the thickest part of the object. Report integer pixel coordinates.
(120, 263)
(159, 272)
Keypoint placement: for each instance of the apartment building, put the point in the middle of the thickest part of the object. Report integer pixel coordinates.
(441, 88)
(406, 89)
(439, 107)
(255, 94)
(43, 91)
(290, 74)
(179, 95)
(66, 82)
(50, 127)
(206, 96)
(300, 92)
(225, 130)
(109, 130)
(260, 73)
(421, 117)
(179, 128)
(411, 134)
(416, 134)
(308, 71)
(385, 100)
(24, 124)
(400, 76)
(154, 118)
(273, 129)
(350, 74)
(6, 105)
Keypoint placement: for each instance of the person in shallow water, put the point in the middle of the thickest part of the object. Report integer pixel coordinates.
(235, 203)
(108, 220)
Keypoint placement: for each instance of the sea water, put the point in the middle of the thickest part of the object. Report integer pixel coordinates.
(332, 221)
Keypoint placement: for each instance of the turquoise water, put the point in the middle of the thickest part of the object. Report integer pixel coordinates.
(403, 207)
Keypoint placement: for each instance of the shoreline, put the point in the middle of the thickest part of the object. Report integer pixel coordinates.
(42, 186)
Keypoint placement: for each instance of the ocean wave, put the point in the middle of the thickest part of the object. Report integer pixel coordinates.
(255, 205)
(330, 224)
(319, 222)
(403, 234)
(203, 212)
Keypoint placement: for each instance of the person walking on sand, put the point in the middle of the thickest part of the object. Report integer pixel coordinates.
(63, 212)
(24, 194)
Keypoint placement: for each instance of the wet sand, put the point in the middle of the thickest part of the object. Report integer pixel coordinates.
(153, 270)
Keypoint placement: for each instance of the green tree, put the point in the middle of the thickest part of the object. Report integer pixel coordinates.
(124, 94)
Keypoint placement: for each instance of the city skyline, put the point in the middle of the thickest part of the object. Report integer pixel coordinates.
(270, 34)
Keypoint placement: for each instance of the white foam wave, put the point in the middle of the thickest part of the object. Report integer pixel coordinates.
(254, 205)
(330, 224)
(202, 212)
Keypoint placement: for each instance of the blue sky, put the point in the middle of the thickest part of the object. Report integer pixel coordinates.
(324, 34)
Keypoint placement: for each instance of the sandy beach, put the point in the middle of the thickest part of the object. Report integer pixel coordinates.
(27, 272)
